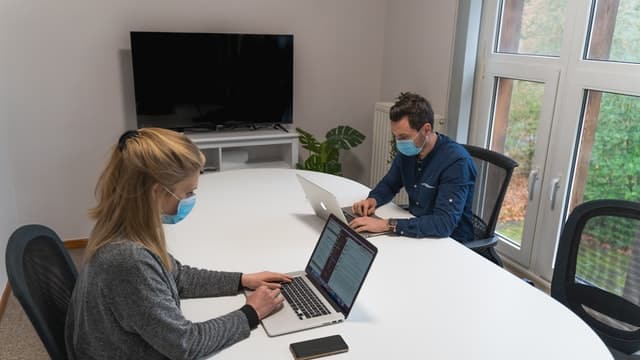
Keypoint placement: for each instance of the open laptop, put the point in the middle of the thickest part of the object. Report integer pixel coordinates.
(324, 293)
(324, 203)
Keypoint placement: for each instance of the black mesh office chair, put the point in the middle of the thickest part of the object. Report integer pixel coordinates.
(494, 175)
(42, 277)
(597, 271)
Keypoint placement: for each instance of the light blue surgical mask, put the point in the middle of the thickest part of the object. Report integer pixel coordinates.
(408, 147)
(184, 208)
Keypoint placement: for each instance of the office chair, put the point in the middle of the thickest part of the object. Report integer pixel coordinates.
(492, 181)
(42, 277)
(597, 271)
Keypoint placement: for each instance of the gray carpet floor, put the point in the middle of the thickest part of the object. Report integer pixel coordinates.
(18, 338)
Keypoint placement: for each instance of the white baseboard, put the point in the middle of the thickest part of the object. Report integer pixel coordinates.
(522, 272)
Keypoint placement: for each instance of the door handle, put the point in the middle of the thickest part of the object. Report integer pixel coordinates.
(533, 178)
(555, 185)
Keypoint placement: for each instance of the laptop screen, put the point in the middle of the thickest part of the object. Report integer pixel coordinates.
(340, 262)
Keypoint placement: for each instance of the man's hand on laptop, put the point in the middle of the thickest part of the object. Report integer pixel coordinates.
(269, 279)
(265, 301)
(364, 207)
(369, 224)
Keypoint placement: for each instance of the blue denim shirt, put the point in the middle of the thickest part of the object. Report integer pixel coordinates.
(440, 189)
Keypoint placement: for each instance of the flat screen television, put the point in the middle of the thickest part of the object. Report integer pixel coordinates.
(198, 81)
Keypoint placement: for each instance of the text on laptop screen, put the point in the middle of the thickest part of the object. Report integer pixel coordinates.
(340, 263)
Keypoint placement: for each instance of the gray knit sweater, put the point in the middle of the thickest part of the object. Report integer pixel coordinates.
(126, 305)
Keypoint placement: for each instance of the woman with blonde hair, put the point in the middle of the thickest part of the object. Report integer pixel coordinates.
(126, 302)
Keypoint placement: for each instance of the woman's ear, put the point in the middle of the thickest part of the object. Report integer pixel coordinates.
(156, 190)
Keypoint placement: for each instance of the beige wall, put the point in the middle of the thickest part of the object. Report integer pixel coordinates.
(418, 49)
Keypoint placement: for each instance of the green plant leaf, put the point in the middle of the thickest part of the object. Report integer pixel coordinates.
(333, 167)
(308, 141)
(328, 152)
(333, 154)
(314, 163)
(344, 137)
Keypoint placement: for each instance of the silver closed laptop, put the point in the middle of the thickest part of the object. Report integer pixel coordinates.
(324, 203)
(324, 293)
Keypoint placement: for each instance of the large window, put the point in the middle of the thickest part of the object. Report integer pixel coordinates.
(558, 90)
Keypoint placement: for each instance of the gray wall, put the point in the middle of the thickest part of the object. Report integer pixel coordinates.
(418, 49)
(7, 203)
(67, 90)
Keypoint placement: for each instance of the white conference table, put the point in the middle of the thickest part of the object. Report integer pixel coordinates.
(423, 299)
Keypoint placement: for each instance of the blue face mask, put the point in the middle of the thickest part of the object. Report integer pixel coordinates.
(184, 208)
(408, 147)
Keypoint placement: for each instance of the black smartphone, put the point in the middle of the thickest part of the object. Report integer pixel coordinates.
(316, 348)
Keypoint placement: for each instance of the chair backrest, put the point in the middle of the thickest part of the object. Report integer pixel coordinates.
(597, 270)
(492, 181)
(42, 277)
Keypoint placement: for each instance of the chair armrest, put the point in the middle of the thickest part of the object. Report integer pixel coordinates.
(481, 244)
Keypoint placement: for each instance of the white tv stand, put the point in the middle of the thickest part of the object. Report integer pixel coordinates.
(241, 149)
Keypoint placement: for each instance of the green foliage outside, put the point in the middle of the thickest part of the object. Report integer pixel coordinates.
(325, 156)
(614, 169)
(524, 114)
(520, 142)
(601, 260)
(542, 27)
(626, 35)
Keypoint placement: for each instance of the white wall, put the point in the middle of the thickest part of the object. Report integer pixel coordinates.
(418, 49)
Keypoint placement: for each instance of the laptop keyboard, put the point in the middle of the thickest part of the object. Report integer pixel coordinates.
(302, 300)
(348, 216)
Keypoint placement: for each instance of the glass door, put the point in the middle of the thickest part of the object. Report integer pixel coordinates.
(516, 92)
(558, 90)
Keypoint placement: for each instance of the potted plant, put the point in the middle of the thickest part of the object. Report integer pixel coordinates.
(324, 156)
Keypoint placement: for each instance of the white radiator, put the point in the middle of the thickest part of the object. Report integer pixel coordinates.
(382, 142)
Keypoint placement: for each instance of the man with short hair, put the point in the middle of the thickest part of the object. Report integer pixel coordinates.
(437, 173)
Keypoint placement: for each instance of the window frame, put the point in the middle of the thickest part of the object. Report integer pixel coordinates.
(572, 74)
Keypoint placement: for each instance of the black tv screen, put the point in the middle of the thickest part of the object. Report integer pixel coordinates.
(204, 80)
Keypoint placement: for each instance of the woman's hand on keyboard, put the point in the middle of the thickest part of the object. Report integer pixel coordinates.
(265, 301)
(269, 279)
